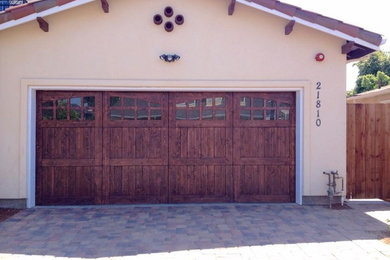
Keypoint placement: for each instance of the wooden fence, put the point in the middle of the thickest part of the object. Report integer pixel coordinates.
(368, 151)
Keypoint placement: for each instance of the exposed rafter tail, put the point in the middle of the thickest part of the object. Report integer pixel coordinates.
(105, 6)
(289, 27)
(232, 5)
(43, 24)
(346, 48)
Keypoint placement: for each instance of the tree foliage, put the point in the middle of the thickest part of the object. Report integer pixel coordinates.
(372, 72)
(378, 61)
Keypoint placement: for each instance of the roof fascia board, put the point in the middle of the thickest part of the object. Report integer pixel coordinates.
(311, 25)
(47, 12)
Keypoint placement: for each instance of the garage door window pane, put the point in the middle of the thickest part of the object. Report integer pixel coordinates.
(220, 115)
(245, 115)
(271, 103)
(193, 115)
(284, 114)
(181, 105)
(153, 104)
(115, 101)
(258, 115)
(142, 114)
(207, 114)
(75, 114)
(62, 102)
(194, 103)
(129, 114)
(245, 102)
(75, 102)
(155, 114)
(220, 102)
(47, 114)
(89, 101)
(115, 114)
(129, 102)
(258, 102)
(270, 115)
(181, 114)
(142, 103)
(61, 114)
(207, 102)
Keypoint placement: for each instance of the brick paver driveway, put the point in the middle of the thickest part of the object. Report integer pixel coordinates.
(252, 231)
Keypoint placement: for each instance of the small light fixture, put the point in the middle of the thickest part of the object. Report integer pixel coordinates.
(170, 57)
(320, 57)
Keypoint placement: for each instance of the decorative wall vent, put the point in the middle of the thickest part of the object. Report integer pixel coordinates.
(169, 24)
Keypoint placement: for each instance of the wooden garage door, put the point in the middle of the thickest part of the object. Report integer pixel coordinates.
(135, 148)
(200, 147)
(108, 148)
(69, 148)
(264, 147)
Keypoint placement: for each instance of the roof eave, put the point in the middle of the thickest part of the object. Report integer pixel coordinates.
(53, 10)
(313, 25)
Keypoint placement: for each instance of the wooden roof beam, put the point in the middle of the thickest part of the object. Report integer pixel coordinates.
(348, 47)
(289, 27)
(232, 5)
(43, 24)
(105, 6)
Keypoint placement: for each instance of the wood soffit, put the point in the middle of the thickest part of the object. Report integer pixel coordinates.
(20, 11)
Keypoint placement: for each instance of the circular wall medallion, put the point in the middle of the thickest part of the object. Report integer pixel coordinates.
(168, 13)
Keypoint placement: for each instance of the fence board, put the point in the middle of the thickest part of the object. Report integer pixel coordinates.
(368, 151)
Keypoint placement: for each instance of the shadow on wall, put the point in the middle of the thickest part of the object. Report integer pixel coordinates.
(130, 230)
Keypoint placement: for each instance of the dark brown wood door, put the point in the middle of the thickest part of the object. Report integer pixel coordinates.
(135, 148)
(69, 148)
(200, 147)
(264, 147)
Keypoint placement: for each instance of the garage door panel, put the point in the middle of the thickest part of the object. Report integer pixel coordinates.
(264, 147)
(69, 185)
(252, 180)
(137, 184)
(263, 183)
(277, 141)
(69, 154)
(248, 143)
(136, 146)
(69, 143)
(200, 183)
(201, 145)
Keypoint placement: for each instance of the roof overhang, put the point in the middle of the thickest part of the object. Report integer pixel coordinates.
(34, 16)
(361, 49)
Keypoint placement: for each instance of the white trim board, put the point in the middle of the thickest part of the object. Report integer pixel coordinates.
(29, 92)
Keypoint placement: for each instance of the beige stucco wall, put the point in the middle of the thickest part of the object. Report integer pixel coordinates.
(121, 48)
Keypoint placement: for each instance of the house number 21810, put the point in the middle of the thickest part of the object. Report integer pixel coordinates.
(318, 104)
